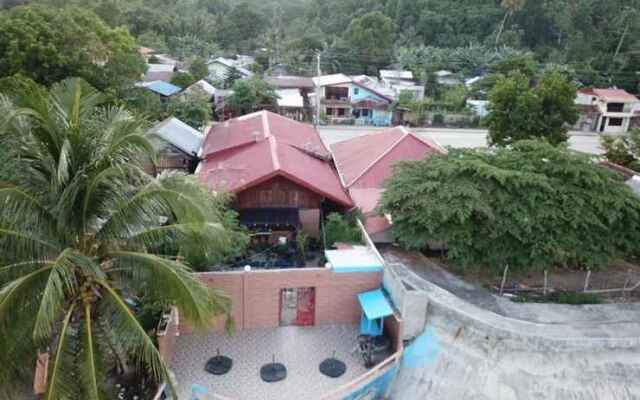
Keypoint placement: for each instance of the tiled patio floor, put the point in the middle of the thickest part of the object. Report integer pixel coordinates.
(300, 349)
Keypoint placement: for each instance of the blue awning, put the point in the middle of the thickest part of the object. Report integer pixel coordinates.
(374, 304)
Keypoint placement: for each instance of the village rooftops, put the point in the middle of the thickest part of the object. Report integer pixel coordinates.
(328, 80)
(202, 86)
(257, 147)
(163, 88)
(159, 72)
(396, 74)
(179, 134)
(356, 157)
(615, 95)
(609, 95)
(290, 82)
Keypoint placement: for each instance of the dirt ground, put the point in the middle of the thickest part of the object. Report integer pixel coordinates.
(616, 276)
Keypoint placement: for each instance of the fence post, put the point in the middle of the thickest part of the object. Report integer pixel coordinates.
(544, 290)
(586, 280)
(626, 282)
(504, 279)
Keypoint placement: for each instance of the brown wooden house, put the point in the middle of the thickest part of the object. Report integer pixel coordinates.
(279, 170)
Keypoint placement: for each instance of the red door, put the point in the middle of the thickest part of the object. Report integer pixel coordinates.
(306, 310)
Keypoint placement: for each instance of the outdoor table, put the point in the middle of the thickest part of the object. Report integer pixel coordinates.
(273, 372)
(332, 367)
(218, 365)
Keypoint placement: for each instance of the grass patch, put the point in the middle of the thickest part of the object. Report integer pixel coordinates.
(572, 298)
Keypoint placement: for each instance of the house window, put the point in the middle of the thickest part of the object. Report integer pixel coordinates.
(615, 107)
(365, 112)
(336, 93)
(341, 112)
(615, 121)
(356, 91)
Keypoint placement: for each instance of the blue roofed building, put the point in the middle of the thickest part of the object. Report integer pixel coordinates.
(162, 88)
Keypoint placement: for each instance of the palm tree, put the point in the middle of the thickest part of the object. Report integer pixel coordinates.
(510, 6)
(82, 229)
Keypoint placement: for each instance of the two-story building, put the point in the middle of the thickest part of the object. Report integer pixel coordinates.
(345, 99)
(606, 110)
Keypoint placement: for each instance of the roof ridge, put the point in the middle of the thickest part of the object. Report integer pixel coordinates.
(384, 153)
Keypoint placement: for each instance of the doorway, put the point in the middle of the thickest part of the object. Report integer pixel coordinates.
(297, 306)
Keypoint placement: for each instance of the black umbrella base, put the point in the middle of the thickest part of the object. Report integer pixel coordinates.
(273, 372)
(333, 368)
(218, 365)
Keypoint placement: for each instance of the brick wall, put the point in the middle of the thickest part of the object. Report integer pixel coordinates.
(255, 295)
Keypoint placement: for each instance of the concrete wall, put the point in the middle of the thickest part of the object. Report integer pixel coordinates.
(411, 302)
(471, 353)
(255, 295)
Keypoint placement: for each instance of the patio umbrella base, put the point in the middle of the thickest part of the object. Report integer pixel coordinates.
(273, 372)
(333, 368)
(219, 365)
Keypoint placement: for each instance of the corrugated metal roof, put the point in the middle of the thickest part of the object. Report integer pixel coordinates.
(203, 86)
(354, 157)
(229, 63)
(288, 81)
(254, 148)
(334, 79)
(396, 74)
(164, 88)
(615, 95)
(179, 134)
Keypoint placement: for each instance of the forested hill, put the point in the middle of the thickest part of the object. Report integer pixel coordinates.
(597, 40)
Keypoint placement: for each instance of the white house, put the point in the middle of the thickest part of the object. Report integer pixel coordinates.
(401, 81)
(606, 110)
(220, 67)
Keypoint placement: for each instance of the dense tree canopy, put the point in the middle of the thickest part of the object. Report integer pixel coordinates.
(518, 111)
(598, 40)
(530, 206)
(250, 95)
(48, 44)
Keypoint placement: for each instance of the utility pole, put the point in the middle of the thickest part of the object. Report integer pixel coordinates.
(318, 89)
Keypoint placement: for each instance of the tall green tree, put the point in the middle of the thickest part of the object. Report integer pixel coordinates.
(81, 230)
(518, 111)
(250, 95)
(371, 38)
(531, 206)
(193, 109)
(49, 44)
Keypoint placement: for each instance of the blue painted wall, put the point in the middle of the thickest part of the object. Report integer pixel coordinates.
(376, 389)
(377, 117)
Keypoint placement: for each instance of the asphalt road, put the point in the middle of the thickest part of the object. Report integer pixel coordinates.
(456, 138)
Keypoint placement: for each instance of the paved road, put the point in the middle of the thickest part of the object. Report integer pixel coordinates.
(457, 138)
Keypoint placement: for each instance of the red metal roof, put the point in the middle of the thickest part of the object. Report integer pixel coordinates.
(366, 199)
(257, 147)
(252, 128)
(615, 95)
(378, 152)
(376, 223)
